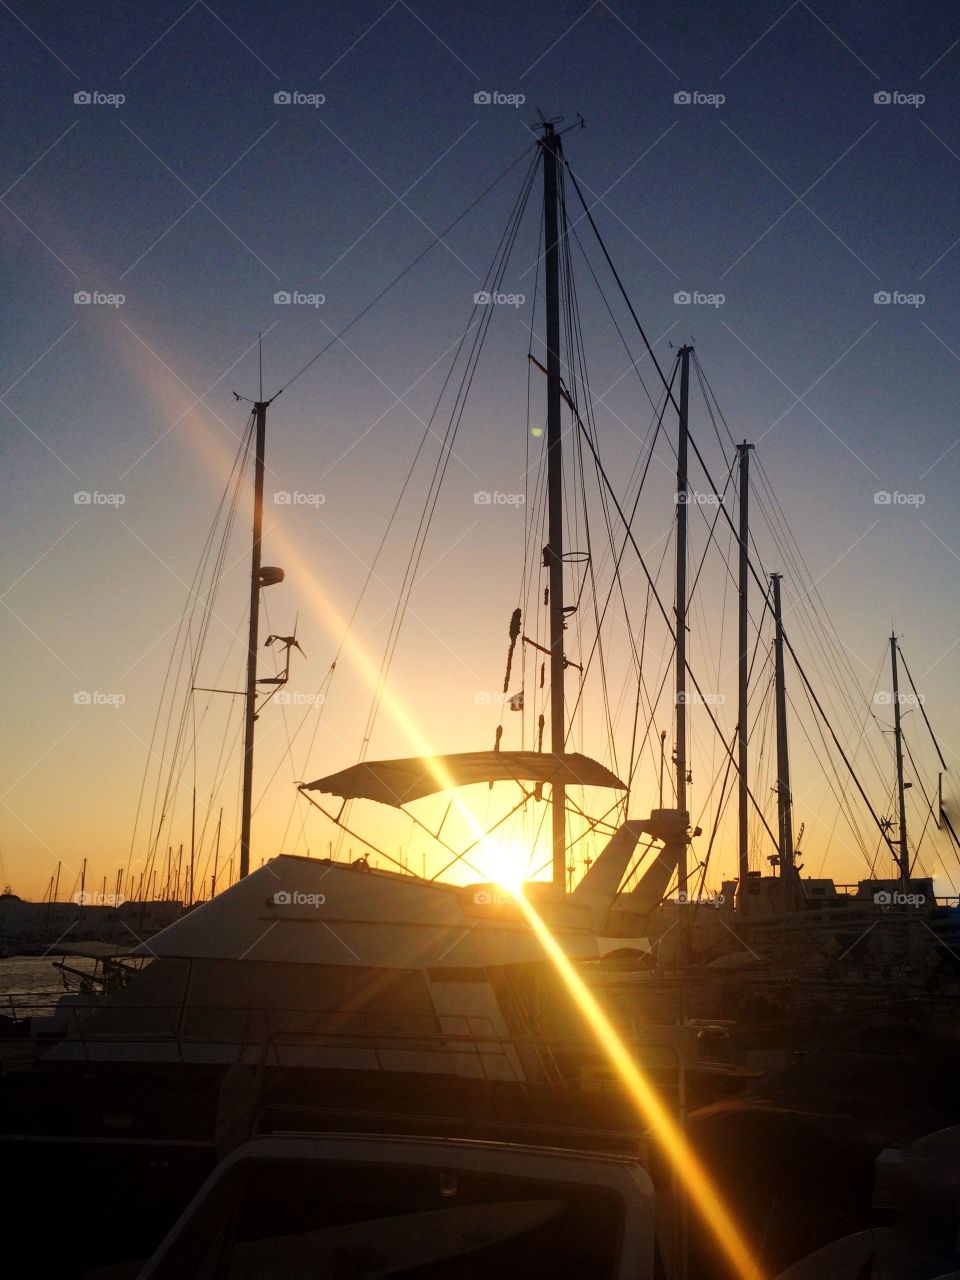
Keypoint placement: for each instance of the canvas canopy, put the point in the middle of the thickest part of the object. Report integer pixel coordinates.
(397, 782)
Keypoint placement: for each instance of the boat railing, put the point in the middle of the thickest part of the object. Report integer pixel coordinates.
(386, 1038)
(853, 890)
(480, 1052)
(19, 1006)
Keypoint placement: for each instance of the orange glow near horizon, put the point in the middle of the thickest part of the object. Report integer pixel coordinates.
(703, 1194)
(327, 613)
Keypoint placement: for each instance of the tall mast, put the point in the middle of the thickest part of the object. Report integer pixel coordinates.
(680, 753)
(784, 798)
(904, 858)
(260, 416)
(193, 839)
(216, 859)
(743, 690)
(553, 552)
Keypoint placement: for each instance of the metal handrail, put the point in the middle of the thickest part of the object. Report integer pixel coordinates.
(433, 1036)
(434, 1031)
(384, 1042)
(23, 1004)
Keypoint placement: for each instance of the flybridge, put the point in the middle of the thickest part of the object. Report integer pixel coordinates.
(313, 911)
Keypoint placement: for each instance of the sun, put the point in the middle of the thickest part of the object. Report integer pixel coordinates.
(505, 862)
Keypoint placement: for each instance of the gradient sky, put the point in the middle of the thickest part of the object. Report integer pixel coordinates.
(198, 198)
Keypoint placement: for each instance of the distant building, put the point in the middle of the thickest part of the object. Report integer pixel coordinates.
(25, 926)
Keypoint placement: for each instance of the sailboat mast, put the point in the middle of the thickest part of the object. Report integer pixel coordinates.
(553, 552)
(193, 839)
(904, 859)
(743, 674)
(216, 859)
(260, 417)
(784, 799)
(680, 753)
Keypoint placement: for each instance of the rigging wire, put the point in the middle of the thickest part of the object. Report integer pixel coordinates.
(438, 239)
(175, 665)
(493, 278)
(700, 458)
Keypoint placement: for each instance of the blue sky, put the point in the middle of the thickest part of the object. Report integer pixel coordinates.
(799, 197)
